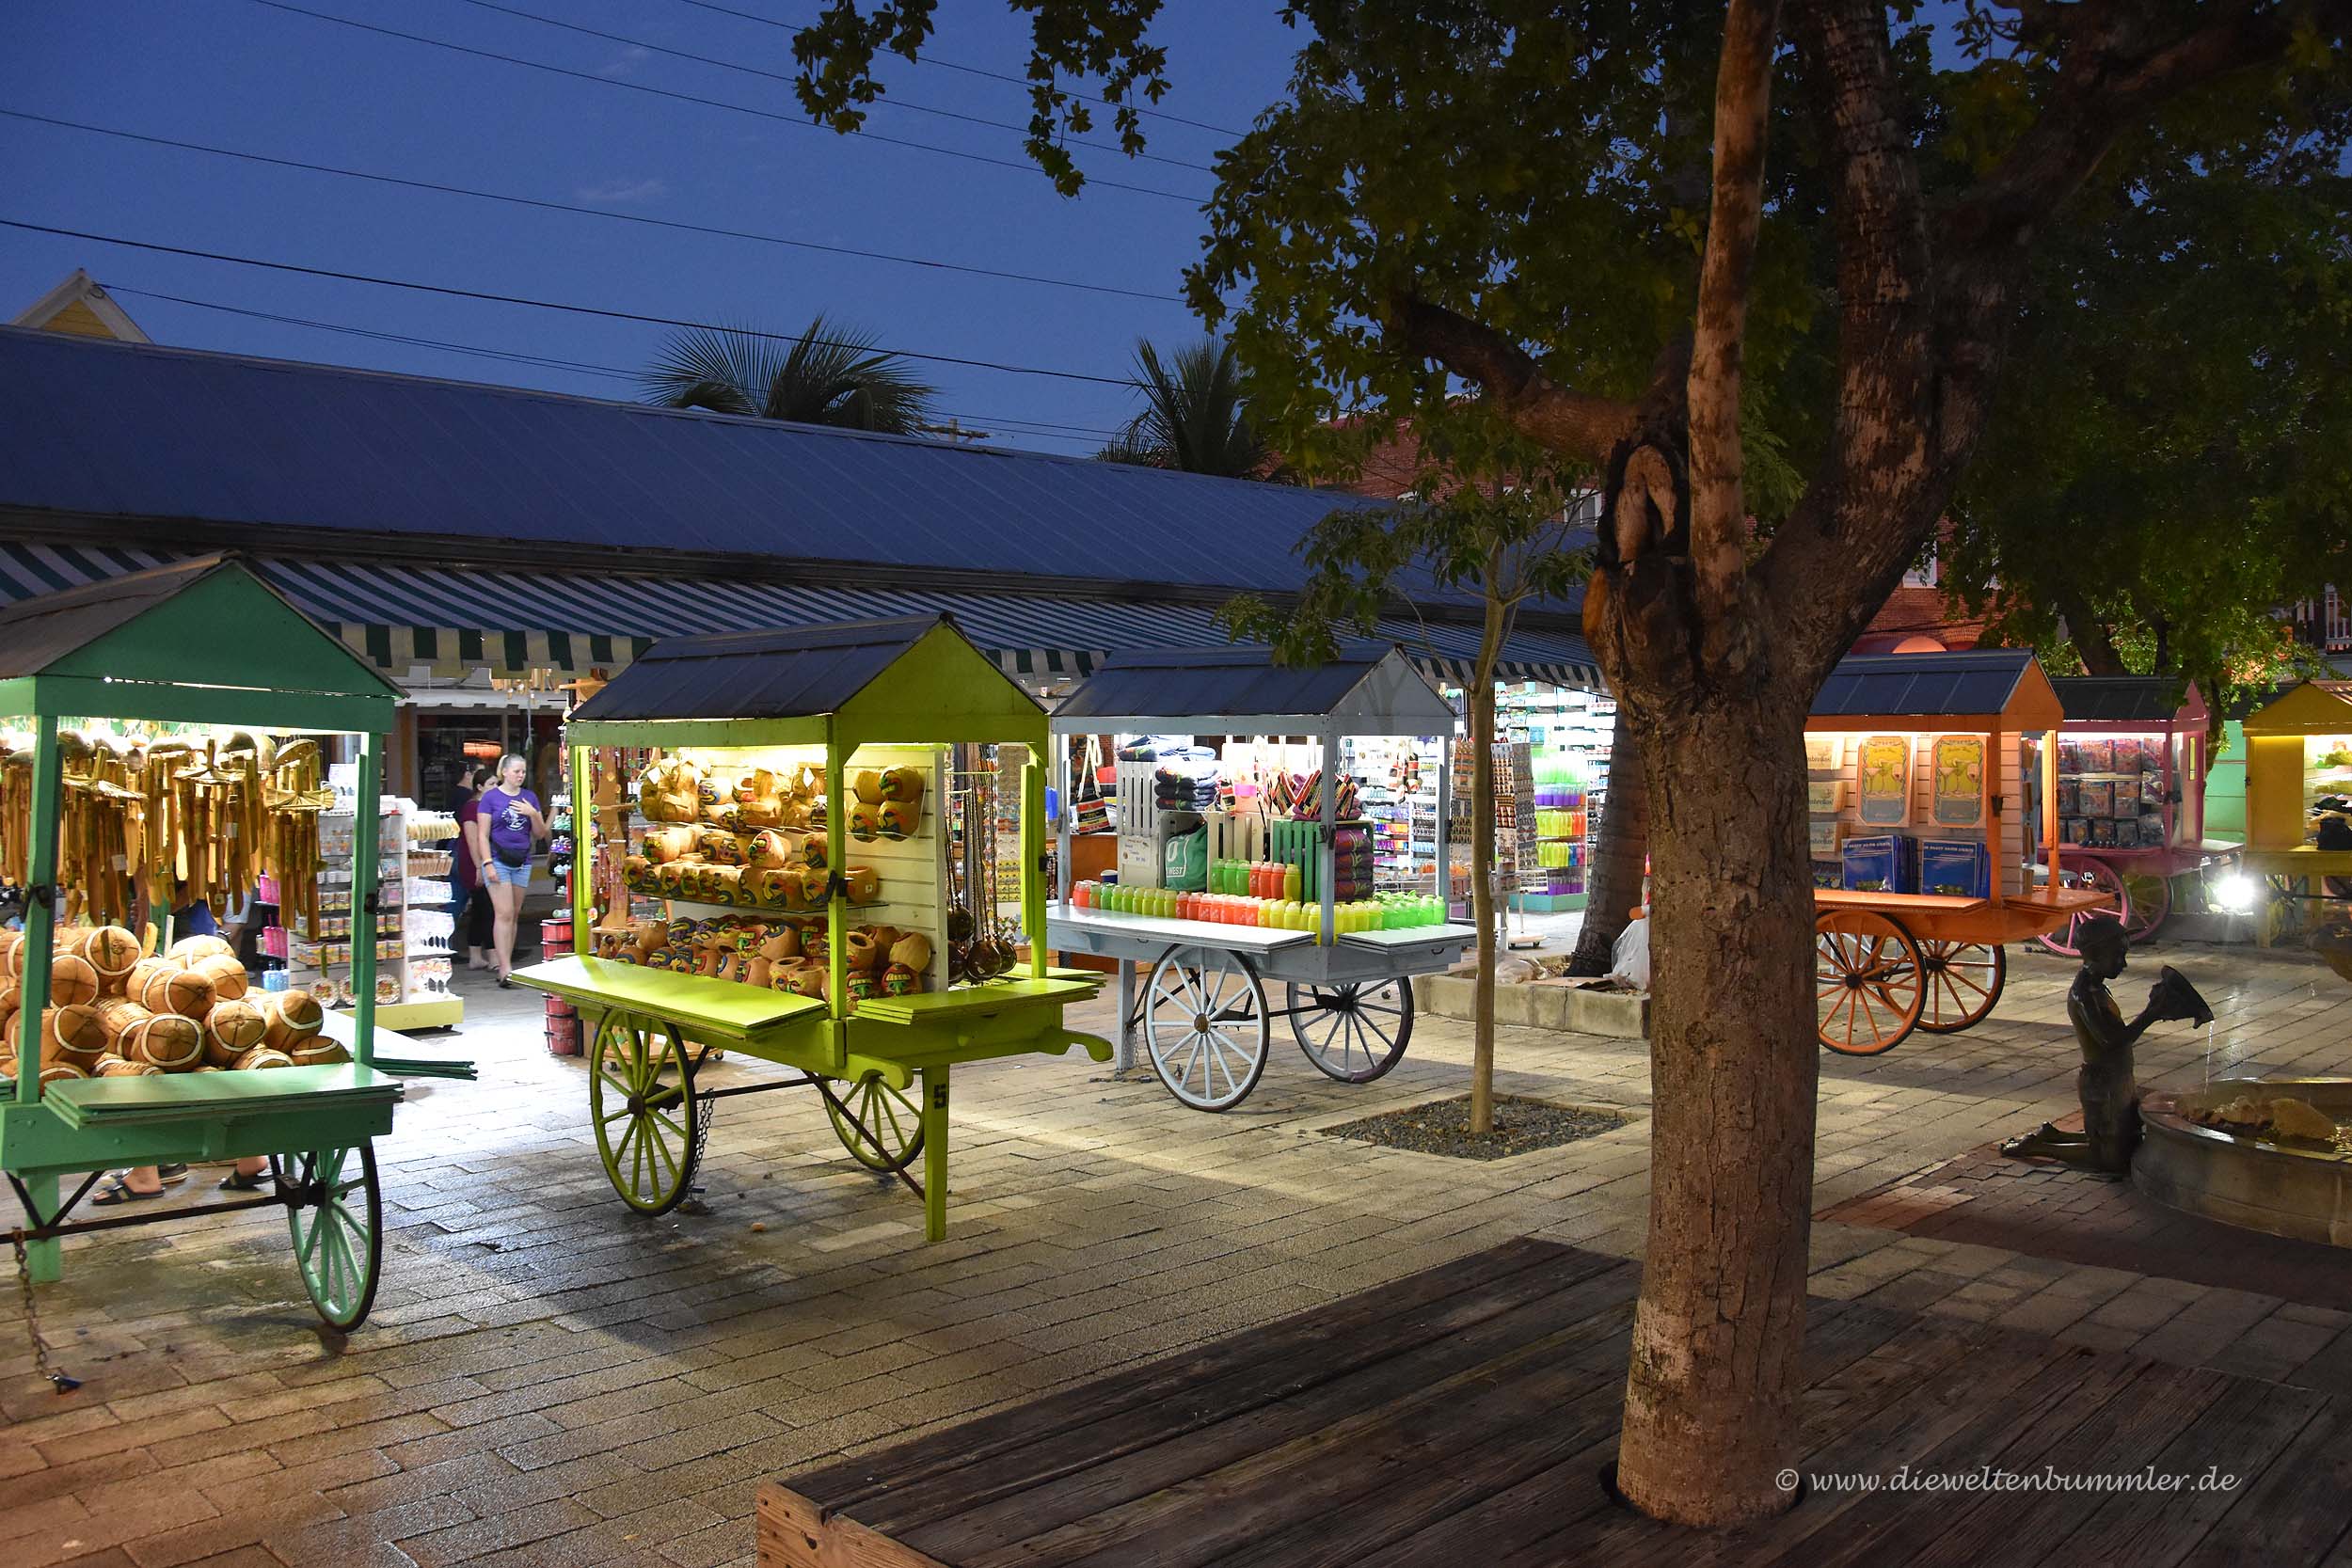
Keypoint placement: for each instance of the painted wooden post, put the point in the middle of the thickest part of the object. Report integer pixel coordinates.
(1327, 846)
(583, 853)
(1032, 858)
(1992, 787)
(836, 907)
(43, 1260)
(935, 1153)
(368, 851)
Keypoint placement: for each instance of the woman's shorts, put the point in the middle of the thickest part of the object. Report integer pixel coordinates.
(513, 876)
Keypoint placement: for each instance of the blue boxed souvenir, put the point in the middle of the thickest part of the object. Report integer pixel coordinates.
(1960, 867)
(1883, 863)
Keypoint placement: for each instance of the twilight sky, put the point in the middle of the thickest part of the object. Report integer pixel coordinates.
(264, 79)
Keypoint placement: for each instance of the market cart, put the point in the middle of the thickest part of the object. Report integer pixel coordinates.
(1912, 929)
(2125, 735)
(796, 827)
(2299, 755)
(1210, 949)
(202, 658)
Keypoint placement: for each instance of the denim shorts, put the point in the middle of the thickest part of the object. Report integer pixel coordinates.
(510, 876)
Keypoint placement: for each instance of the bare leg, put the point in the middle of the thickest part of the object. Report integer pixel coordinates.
(507, 901)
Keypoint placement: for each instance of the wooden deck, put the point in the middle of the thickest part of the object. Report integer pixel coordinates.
(1464, 1416)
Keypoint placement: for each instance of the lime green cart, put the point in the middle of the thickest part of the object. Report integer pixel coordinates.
(202, 643)
(836, 699)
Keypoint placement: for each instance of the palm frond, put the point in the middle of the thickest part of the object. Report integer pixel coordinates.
(826, 376)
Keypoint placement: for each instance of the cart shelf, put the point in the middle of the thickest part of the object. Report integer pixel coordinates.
(100, 1102)
(1404, 938)
(1072, 923)
(981, 1000)
(696, 1003)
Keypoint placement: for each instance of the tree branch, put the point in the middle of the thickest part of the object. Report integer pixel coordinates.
(1743, 82)
(1556, 417)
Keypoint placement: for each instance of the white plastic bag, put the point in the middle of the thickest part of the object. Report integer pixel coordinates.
(1631, 962)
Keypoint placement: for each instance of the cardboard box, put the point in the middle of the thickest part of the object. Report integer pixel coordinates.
(1883, 863)
(1956, 866)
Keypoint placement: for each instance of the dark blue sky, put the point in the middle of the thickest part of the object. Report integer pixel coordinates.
(238, 74)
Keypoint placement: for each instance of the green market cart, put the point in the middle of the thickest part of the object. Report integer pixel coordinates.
(204, 643)
(1204, 1013)
(838, 701)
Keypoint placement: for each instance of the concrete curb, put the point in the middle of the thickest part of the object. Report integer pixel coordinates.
(1548, 1003)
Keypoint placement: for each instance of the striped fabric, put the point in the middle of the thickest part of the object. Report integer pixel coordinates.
(451, 622)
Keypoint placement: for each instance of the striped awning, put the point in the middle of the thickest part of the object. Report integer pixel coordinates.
(450, 621)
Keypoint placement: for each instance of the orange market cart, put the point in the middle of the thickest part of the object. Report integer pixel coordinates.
(2298, 757)
(1921, 786)
(2130, 798)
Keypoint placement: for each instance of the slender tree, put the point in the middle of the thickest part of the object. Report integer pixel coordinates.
(1449, 182)
(822, 376)
(1195, 417)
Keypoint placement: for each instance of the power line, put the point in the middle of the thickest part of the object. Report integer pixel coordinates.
(488, 297)
(929, 58)
(885, 102)
(585, 211)
(1054, 429)
(798, 121)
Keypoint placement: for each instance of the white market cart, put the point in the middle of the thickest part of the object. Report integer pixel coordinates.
(1204, 1013)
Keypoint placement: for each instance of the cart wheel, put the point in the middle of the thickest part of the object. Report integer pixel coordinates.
(2091, 876)
(2147, 900)
(1205, 1026)
(1353, 1033)
(881, 1127)
(641, 1083)
(1963, 980)
(335, 1212)
(1866, 979)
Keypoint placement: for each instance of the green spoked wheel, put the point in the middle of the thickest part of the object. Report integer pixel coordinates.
(879, 1126)
(335, 1211)
(650, 1123)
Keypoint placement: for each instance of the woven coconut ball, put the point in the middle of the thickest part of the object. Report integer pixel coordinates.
(317, 1050)
(58, 1073)
(113, 952)
(177, 991)
(164, 1040)
(135, 983)
(231, 1029)
(226, 974)
(12, 952)
(73, 1034)
(118, 1013)
(71, 980)
(293, 1017)
(261, 1056)
(118, 1067)
(189, 950)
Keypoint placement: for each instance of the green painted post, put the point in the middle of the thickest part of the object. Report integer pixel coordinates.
(583, 853)
(935, 1153)
(367, 841)
(40, 916)
(838, 907)
(1032, 858)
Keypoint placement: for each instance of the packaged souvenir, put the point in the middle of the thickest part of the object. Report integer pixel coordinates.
(2098, 756)
(2102, 834)
(2069, 797)
(2126, 755)
(1957, 867)
(2097, 798)
(2127, 832)
(2123, 803)
(2070, 756)
(1883, 863)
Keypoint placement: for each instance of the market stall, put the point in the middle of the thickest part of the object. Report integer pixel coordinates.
(2130, 798)
(1912, 926)
(1236, 870)
(168, 757)
(2298, 808)
(795, 826)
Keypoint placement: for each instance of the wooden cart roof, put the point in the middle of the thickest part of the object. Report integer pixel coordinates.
(1982, 689)
(2095, 700)
(2314, 707)
(918, 679)
(204, 641)
(1367, 687)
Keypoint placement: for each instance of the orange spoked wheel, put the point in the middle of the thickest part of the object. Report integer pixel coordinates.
(1866, 980)
(1963, 980)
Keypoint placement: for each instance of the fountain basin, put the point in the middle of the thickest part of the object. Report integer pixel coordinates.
(2290, 1187)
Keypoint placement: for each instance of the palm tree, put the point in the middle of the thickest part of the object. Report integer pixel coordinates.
(1196, 416)
(824, 376)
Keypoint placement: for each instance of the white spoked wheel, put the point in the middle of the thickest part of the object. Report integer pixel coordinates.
(1353, 1032)
(1204, 1021)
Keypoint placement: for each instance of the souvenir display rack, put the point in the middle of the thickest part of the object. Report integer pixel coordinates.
(1568, 732)
(149, 646)
(821, 750)
(413, 926)
(1204, 1012)
(2131, 766)
(2298, 760)
(1910, 928)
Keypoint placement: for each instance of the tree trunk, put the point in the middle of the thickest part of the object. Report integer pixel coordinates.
(1710, 1398)
(1612, 882)
(1482, 714)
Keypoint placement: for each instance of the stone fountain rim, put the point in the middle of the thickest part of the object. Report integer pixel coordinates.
(2157, 1115)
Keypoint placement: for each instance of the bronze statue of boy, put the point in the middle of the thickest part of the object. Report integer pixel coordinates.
(2106, 1083)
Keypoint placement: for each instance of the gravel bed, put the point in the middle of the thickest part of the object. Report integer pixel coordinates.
(1442, 1127)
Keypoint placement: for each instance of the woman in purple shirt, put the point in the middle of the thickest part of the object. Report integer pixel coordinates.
(506, 828)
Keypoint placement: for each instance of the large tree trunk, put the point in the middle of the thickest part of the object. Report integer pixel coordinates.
(1612, 882)
(1711, 1393)
(1482, 714)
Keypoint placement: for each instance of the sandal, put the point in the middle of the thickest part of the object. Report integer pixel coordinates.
(238, 1182)
(116, 1193)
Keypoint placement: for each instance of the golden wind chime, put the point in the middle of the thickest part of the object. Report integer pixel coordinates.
(198, 819)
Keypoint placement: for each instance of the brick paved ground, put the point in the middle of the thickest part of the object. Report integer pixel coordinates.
(550, 1380)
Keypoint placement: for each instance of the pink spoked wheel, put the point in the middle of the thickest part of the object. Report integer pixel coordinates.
(2089, 875)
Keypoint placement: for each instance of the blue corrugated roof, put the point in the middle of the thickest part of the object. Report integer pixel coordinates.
(1230, 680)
(133, 430)
(1923, 686)
(758, 674)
